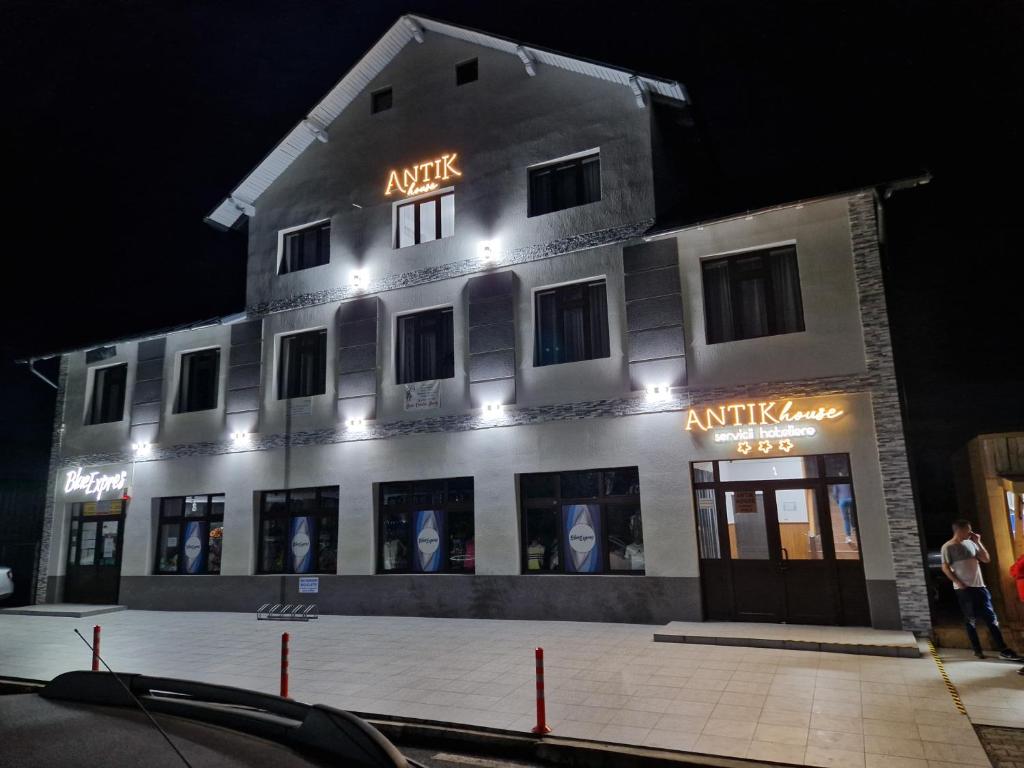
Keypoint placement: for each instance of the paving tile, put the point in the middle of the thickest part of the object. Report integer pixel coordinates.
(894, 746)
(833, 758)
(956, 753)
(784, 717)
(668, 739)
(623, 734)
(782, 734)
(824, 722)
(776, 752)
(722, 745)
(729, 727)
(835, 740)
(888, 761)
(736, 713)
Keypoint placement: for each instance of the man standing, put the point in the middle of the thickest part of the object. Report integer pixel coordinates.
(961, 562)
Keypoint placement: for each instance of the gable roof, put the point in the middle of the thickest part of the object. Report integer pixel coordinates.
(410, 27)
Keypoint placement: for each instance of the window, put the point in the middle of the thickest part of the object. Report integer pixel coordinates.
(582, 522)
(303, 369)
(466, 72)
(426, 526)
(299, 531)
(190, 534)
(197, 389)
(425, 346)
(565, 184)
(571, 323)
(421, 221)
(752, 294)
(305, 248)
(380, 100)
(108, 386)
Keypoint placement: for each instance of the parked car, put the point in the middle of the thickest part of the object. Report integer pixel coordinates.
(152, 721)
(6, 582)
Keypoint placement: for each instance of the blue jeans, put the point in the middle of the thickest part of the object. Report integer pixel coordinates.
(846, 507)
(976, 603)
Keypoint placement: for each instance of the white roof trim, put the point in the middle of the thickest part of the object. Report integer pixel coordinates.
(243, 197)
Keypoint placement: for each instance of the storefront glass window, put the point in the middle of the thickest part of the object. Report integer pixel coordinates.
(299, 531)
(843, 514)
(837, 465)
(799, 535)
(707, 523)
(426, 526)
(748, 537)
(189, 535)
(582, 522)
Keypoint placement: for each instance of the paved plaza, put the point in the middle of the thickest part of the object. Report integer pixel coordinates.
(608, 682)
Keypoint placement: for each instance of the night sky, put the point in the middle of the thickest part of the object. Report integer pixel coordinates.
(126, 122)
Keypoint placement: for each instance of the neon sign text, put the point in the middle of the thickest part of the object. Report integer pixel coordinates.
(756, 414)
(94, 482)
(425, 177)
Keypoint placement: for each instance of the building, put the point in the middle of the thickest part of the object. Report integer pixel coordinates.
(989, 474)
(480, 374)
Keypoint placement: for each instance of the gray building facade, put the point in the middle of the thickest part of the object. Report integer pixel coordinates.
(478, 376)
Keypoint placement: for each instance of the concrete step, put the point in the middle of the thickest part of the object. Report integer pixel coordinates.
(798, 637)
(65, 610)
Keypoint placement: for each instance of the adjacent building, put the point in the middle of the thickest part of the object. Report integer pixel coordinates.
(484, 372)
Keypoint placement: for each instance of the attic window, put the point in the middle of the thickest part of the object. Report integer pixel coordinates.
(380, 100)
(466, 72)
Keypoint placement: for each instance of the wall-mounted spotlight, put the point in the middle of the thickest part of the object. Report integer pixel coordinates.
(493, 409)
(142, 449)
(240, 437)
(487, 251)
(658, 392)
(356, 423)
(358, 279)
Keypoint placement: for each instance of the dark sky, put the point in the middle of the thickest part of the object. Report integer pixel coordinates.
(126, 122)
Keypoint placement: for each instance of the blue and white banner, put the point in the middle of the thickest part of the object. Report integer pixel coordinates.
(428, 541)
(302, 544)
(582, 538)
(193, 547)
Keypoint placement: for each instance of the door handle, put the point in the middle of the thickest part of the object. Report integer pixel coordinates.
(785, 553)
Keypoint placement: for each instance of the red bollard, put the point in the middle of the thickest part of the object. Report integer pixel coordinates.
(542, 725)
(96, 648)
(284, 665)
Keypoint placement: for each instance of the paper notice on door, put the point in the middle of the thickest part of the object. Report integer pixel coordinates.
(745, 502)
(108, 546)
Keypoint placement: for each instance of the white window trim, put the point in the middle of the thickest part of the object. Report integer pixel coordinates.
(176, 374)
(288, 230)
(412, 199)
(748, 249)
(276, 370)
(566, 158)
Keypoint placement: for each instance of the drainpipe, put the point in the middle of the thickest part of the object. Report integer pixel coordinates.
(32, 367)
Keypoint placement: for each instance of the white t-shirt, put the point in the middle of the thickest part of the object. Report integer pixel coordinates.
(962, 557)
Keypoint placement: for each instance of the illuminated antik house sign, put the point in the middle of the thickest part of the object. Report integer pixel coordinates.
(94, 483)
(425, 177)
(769, 424)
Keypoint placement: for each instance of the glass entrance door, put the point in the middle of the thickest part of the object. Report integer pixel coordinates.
(778, 540)
(94, 552)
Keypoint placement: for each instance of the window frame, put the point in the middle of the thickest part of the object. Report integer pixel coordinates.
(435, 196)
(93, 407)
(181, 383)
(282, 376)
(399, 344)
(557, 502)
(576, 160)
(560, 320)
(321, 225)
(288, 514)
(379, 94)
(460, 68)
(765, 253)
(411, 507)
(182, 520)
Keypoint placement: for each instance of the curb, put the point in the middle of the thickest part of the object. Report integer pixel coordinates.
(550, 750)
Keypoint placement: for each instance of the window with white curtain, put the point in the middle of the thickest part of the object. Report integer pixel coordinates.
(752, 294)
(421, 221)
